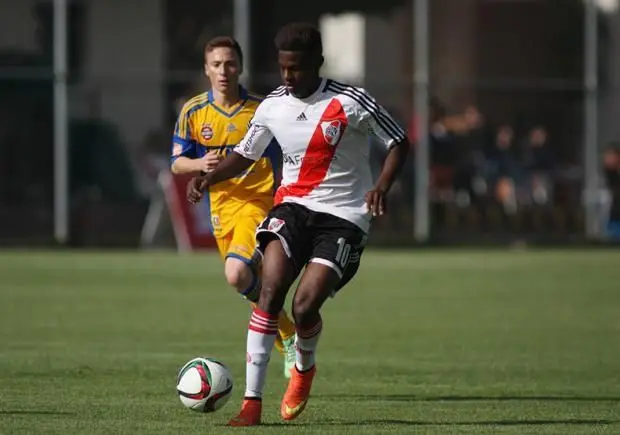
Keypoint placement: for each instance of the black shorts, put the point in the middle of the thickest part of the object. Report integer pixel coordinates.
(311, 237)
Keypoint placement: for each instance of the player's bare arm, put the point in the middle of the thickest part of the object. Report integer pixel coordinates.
(186, 165)
(194, 194)
(223, 170)
(228, 168)
(376, 198)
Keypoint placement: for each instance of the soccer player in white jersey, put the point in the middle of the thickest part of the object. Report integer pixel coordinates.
(323, 209)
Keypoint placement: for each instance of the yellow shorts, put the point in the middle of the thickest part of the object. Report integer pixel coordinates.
(240, 243)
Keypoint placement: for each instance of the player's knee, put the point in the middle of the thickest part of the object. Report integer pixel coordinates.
(238, 274)
(305, 307)
(272, 295)
(270, 292)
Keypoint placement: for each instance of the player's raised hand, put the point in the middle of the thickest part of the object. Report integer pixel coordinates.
(210, 161)
(375, 199)
(194, 193)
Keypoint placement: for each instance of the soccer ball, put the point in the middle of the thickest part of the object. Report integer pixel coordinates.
(204, 384)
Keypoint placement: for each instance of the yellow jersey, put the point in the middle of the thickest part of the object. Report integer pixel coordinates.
(203, 126)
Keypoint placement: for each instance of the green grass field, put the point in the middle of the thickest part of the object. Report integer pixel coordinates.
(428, 342)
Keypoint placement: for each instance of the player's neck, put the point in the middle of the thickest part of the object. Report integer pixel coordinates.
(228, 99)
(312, 87)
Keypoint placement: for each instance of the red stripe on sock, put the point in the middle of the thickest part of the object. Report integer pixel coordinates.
(263, 323)
(265, 315)
(309, 332)
(261, 330)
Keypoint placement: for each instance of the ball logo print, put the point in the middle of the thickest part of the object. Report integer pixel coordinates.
(331, 131)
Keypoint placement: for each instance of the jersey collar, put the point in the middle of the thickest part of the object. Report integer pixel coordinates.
(243, 95)
(319, 90)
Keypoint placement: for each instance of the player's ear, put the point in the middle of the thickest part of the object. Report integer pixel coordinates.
(206, 69)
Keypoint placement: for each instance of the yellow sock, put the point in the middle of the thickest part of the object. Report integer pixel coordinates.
(286, 327)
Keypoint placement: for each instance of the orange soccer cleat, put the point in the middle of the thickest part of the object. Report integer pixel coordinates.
(297, 393)
(249, 415)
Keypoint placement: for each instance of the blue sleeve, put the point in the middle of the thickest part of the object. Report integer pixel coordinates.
(182, 142)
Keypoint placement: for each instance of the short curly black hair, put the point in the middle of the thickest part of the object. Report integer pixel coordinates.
(299, 37)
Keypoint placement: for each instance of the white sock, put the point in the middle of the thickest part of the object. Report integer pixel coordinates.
(305, 345)
(261, 338)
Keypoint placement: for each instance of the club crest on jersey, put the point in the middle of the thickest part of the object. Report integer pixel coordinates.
(275, 225)
(206, 131)
(331, 131)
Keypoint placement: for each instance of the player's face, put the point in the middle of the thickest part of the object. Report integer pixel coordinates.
(299, 71)
(223, 68)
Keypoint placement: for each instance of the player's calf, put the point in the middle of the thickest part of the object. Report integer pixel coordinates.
(317, 283)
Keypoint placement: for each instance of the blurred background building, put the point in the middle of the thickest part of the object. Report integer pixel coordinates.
(506, 130)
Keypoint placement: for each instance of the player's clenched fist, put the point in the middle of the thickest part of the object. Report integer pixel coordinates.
(210, 161)
(194, 193)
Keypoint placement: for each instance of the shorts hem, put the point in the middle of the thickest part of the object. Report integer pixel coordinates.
(329, 264)
(248, 261)
(285, 245)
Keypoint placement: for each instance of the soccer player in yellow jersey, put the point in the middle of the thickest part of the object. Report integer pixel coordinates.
(209, 126)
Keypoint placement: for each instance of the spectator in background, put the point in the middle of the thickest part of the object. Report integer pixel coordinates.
(440, 148)
(538, 163)
(477, 133)
(471, 142)
(502, 168)
(611, 166)
(440, 139)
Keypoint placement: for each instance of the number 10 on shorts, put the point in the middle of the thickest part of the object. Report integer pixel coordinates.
(344, 252)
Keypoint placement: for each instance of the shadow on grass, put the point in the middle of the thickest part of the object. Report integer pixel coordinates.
(448, 398)
(394, 422)
(33, 412)
(415, 398)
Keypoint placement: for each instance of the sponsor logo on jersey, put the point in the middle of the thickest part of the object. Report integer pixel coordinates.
(299, 158)
(231, 127)
(247, 146)
(206, 132)
(331, 131)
